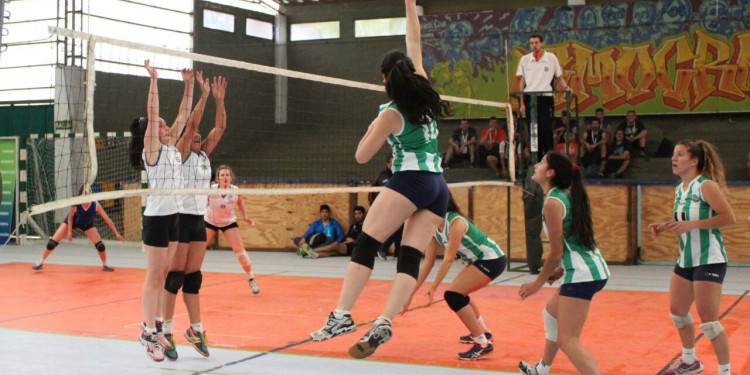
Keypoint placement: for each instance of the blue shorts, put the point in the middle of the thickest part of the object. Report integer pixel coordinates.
(492, 268)
(584, 290)
(424, 189)
(710, 272)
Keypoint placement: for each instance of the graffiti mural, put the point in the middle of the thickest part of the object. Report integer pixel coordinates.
(666, 56)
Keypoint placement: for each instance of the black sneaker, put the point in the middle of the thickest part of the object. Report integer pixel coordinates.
(469, 340)
(37, 266)
(380, 333)
(527, 368)
(476, 352)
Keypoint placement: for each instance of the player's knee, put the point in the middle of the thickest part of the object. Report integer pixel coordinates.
(712, 329)
(192, 283)
(365, 249)
(174, 281)
(408, 261)
(550, 326)
(682, 321)
(51, 245)
(100, 246)
(456, 301)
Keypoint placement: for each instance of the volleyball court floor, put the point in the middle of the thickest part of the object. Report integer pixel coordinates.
(71, 317)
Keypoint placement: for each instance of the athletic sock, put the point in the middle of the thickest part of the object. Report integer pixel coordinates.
(688, 355)
(197, 327)
(166, 327)
(481, 340)
(542, 368)
(383, 319)
(724, 369)
(339, 314)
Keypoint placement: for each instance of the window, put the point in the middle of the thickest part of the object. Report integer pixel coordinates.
(218, 21)
(314, 30)
(259, 29)
(379, 27)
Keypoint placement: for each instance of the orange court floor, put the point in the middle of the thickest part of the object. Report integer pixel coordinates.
(628, 332)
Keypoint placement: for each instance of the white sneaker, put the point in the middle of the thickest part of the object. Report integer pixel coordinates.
(254, 285)
(153, 349)
(334, 327)
(380, 333)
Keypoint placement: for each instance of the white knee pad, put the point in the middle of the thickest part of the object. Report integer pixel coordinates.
(682, 321)
(712, 329)
(550, 326)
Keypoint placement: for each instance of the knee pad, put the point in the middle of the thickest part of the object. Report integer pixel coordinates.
(682, 321)
(193, 282)
(365, 249)
(408, 261)
(174, 281)
(456, 301)
(712, 329)
(51, 245)
(550, 326)
(100, 246)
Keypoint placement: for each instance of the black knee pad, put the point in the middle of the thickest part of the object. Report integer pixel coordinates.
(193, 282)
(456, 301)
(100, 246)
(51, 245)
(365, 249)
(174, 281)
(408, 261)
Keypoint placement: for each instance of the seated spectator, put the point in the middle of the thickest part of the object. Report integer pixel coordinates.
(572, 147)
(618, 157)
(594, 150)
(492, 143)
(463, 142)
(603, 122)
(635, 133)
(522, 152)
(345, 248)
(559, 126)
(395, 238)
(322, 232)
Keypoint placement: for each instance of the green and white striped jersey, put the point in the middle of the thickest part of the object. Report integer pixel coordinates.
(580, 263)
(475, 245)
(698, 247)
(415, 147)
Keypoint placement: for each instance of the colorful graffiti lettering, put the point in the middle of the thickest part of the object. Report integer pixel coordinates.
(658, 57)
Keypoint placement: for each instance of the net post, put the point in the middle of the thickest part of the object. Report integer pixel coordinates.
(90, 135)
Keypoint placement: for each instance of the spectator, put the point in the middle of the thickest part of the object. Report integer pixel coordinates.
(344, 248)
(559, 126)
(594, 150)
(492, 147)
(635, 133)
(395, 238)
(603, 122)
(618, 158)
(572, 147)
(322, 232)
(463, 142)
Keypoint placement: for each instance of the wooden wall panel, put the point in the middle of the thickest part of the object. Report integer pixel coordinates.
(131, 213)
(657, 203)
(609, 211)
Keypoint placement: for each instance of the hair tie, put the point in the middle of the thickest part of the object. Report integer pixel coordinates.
(576, 168)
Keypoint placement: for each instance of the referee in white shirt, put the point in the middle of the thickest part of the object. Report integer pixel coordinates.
(537, 71)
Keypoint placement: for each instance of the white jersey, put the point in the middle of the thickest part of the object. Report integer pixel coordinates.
(165, 174)
(196, 173)
(221, 208)
(698, 247)
(538, 74)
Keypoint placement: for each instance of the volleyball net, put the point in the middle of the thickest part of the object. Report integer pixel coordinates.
(288, 133)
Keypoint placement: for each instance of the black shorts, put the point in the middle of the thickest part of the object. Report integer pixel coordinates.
(492, 268)
(710, 272)
(192, 228)
(584, 290)
(83, 227)
(223, 229)
(424, 189)
(159, 231)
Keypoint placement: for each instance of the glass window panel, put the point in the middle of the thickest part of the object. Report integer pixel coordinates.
(31, 10)
(379, 27)
(314, 31)
(21, 78)
(263, 6)
(141, 14)
(27, 54)
(259, 29)
(218, 21)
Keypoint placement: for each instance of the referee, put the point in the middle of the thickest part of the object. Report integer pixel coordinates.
(537, 70)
